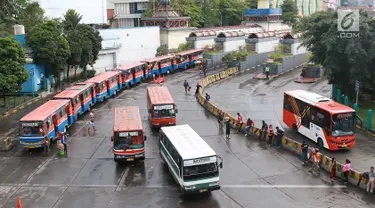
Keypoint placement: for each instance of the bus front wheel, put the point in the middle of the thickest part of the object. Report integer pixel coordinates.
(320, 143)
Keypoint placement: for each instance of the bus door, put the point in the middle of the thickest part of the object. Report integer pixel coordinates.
(144, 71)
(190, 60)
(107, 84)
(92, 93)
(55, 122)
(133, 73)
(172, 64)
(119, 82)
(159, 67)
(82, 101)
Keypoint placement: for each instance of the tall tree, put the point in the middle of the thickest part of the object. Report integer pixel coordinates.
(49, 46)
(251, 4)
(30, 15)
(289, 12)
(12, 71)
(71, 20)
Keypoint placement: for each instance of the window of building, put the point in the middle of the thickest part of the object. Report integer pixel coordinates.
(133, 8)
(136, 22)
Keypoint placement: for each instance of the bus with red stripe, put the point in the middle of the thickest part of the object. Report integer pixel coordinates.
(188, 59)
(128, 136)
(82, 97)
(48, 120)
(160, 65)
(107, 84)
(161, 107)
(133, 73)
(324, 121)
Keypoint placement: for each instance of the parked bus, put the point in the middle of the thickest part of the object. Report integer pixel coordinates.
(107, 84)
(330, 124)
(133, 73)
(161, 107)
(160, 65)
(128, 136)
(82, 97)
(190, 160)
(188, 58)
(48, 120)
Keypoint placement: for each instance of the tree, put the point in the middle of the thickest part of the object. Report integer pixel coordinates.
(71, 20)
(252, 4)
(162, 50)
(12, 71)
(30, 15)
(49, 46)
(183, 47)
(289, 12)
(344, 59)
(235, 57)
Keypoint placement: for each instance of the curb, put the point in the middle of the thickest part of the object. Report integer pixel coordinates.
(355, 177)
(307, 82)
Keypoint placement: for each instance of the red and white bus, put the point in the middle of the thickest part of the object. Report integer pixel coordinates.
(133, 73)
(160, 65)
(330, 124)
(188, 59)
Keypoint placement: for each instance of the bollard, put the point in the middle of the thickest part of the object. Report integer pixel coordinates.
(369, 119)
(334, 90)
(355, 106)
(346, 101)
(338, 95)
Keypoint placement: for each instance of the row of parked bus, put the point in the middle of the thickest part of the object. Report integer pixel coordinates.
(56, 115)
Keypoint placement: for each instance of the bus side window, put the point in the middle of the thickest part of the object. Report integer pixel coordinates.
(287, 105)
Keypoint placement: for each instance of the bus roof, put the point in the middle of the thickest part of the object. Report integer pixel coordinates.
(190, 51)
(157, 58)
(73, 91)
(159, 95)
(320, 101)
(187, 142)
(45, 110)
(102, 77)
(129, 66)
(127, 119)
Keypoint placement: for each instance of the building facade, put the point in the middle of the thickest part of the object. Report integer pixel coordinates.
(127, 13)
(92, 11)
(305, 7)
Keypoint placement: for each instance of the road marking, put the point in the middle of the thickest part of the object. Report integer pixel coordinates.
(284, 186)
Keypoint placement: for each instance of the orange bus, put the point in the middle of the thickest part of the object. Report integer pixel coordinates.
(330, 124)
(188, 59)
(128, 136)
(160, 65)
(161, 107)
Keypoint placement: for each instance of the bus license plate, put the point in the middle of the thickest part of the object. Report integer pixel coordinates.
(344, 146)
(203, 190)
(130, 159)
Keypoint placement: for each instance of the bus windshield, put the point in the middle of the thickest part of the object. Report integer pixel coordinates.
(161, 111)
(200, 171)
(128, 140)
(343, 124)
(32, 129)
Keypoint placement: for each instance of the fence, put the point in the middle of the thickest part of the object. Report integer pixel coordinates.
(289, 63)
(10, 101)
(254, 60)
(214, 59)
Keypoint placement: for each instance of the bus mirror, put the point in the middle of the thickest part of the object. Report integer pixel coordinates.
(112, 138)
(221, 165)
(145, 138)
(176, 110)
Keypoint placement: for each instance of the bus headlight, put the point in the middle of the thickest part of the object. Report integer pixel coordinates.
(189, 187)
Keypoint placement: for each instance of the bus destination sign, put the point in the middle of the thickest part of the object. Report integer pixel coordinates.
(200, 161)
(30, 124)
(344, 115)
(163, 107)
(125, 134)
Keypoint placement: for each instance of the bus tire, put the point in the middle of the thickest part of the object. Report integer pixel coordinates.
(103, 99)
(114, 159)
(142, 158)
(65, 129)
(295, 129)
(169, 71)
(320, 143)
(89, 108)
(186, 67)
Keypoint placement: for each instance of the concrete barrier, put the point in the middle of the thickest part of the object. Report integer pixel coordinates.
(287, 143)
(5, 144)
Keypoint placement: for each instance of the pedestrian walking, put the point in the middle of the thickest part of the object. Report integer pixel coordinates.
(239, 122)
(371, 181)
(279, 136)
(91, 122)
(204, 71)
(186, 86)
(332, 169)
(207, 98)
(198, 87)
(305, 149)
(267, 70)
(249, 127)
(64, 141)
(270, 135)
(263, 130)
(227, 128)
(46, 145)
(345, 171)
(220, 119)
(316, 160)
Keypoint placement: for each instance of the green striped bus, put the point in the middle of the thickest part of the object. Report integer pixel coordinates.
(191, 161)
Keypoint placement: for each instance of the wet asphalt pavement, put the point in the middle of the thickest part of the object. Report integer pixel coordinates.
(254, 175)
(260, 100)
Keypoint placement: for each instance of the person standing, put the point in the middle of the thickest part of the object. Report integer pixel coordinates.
(91, 122)
(279, 136)
(316, 160)
(267, 70)
(186, 86)
(239, 122)
(249, 126)
(345, 171)
(371, 181)
(46, 145)
(305, 149)
(332, 168)
(220, 121)
(270, 135)
(64, 141)
(198, 87)
(227, 128)
(263, 130)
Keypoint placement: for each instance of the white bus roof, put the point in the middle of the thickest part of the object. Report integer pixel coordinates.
(187, 142)
(308, 97)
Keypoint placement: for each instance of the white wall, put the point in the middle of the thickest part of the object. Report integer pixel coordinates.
(296, 50)
(203, 43)
(233, 45)
(268, 46)
(176, 37)
(134, 44)
(92, 11)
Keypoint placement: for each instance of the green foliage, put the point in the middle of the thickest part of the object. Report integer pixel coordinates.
(235, 56)
(12, 71)
(183, 47)
(49, 46)
(251, 4)
(162, 50)
(71, 20)
(279, 53)
(344, 59)
(91, 73)
(289, 12)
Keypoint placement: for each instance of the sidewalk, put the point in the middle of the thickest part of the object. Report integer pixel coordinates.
(306, 80)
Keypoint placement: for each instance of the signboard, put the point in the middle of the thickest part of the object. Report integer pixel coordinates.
(200, 161)
(356, 85)
(125, 134)
(344, 115)
(30, 124)
(263, 12)
(163, 107)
